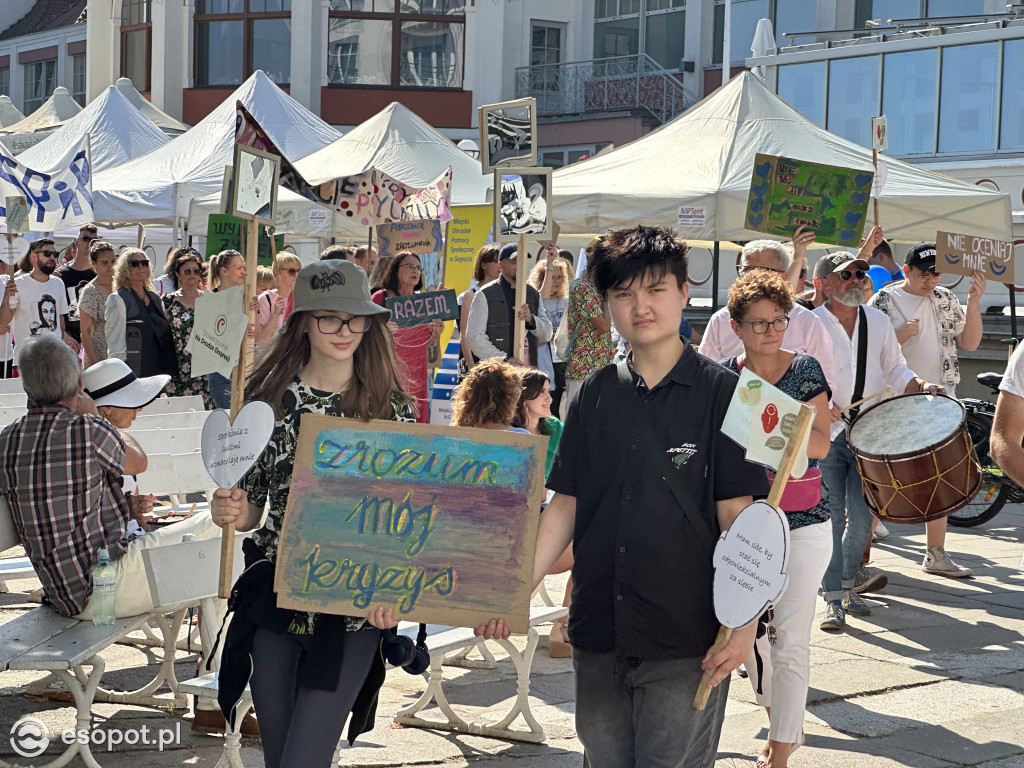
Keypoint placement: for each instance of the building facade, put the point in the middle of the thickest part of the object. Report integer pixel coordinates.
(42, 46)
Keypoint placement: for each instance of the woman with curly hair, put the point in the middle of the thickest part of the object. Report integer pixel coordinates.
(149, 349)
(487, 398)
(185, 272)
(779, 666)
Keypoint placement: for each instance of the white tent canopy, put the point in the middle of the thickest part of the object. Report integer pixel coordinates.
(9, 114)
(157, 116)
(401, 144)
(295, 215)
(158, 187)
(117, 132)
(705, 158)
(51, 114)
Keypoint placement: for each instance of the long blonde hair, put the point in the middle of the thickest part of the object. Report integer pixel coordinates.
(122, 271)
(217, 264)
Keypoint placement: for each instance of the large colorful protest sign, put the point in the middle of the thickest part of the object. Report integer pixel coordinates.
(963, 254)
(417, 236)
(438, 522)
(368, 198)
(55, 199)
(786, 194)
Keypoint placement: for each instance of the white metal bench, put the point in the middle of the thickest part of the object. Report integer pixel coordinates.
(44, 640)
(159, 406)
(448, 645)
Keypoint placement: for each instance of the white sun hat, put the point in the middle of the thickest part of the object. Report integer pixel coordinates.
(112, 382)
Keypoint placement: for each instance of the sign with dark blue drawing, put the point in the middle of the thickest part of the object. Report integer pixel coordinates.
(786, 193)
(963, 254)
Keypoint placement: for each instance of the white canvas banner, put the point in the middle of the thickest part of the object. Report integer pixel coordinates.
(57, 199)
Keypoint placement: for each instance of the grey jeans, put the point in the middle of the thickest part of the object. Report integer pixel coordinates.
(635, 712)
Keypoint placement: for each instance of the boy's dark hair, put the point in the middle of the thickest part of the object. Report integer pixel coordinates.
(623, 255)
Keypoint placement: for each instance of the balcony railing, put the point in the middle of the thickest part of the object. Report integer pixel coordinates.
(604, 85)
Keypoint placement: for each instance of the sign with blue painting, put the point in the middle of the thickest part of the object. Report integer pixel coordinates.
(439, 522)
(963, 254)
(786, 193)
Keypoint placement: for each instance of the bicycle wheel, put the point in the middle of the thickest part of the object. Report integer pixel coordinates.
(993, 494)
(985, 505)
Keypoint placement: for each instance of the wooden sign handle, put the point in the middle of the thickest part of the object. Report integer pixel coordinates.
(874, 201)
(522, 273)
(804, 419)
(227, 540)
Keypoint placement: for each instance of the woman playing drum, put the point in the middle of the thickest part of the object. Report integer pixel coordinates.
(779, 666)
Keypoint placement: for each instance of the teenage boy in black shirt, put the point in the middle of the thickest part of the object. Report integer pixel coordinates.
(644, 483)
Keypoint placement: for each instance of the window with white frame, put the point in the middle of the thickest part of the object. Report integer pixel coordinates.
(40, 81)
(78, 78)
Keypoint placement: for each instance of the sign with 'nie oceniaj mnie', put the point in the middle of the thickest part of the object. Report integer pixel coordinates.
(963, 254)
(436, 521)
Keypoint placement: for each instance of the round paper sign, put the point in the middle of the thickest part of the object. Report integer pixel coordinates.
(750, 565)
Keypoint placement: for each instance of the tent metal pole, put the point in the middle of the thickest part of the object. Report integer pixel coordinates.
(1013, 310)
(714, 278)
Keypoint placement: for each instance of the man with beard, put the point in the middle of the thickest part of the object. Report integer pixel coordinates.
(868, 364)
(22, 306)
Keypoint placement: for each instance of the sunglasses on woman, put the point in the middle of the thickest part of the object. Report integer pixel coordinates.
(138, 263)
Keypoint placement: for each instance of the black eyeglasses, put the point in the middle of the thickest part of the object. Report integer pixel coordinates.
(138, 263)
(761, 326)
(330, 324)
(88, 238)
(848, 274)
(48, 254)
(742, 269)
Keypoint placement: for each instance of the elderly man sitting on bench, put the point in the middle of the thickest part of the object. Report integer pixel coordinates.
(60, 472)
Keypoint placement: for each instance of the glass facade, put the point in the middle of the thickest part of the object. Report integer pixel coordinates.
(630, 27)
(802, 86)
(411, 44)
(853, 97)
(909, 100)
(967, 105)
(1011, 129)
(234, 38)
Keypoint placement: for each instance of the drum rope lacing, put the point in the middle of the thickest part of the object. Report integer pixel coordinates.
(897, 486)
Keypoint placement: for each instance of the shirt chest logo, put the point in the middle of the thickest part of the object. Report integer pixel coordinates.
(682, 454)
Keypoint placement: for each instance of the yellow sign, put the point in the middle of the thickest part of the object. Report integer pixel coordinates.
(468, 232)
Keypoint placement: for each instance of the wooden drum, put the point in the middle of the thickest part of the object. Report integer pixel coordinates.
(915, 457)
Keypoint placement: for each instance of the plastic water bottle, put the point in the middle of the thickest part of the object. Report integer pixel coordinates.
(104, 590)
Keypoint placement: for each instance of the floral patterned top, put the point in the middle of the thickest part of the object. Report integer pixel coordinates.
(181, 317)
(271, 477)
(93, 302)
(803, 381)
(589, 349)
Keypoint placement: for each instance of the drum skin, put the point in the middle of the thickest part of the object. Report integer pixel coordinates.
(920, 485)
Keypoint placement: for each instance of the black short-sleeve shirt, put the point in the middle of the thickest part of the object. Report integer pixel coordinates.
(634, 459)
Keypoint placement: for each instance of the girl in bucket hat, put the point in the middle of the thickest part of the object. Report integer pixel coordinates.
(335, 357)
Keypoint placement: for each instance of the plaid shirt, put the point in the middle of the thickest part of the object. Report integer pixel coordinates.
(60, 474)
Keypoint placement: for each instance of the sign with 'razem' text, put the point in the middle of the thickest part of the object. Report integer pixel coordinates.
(963, 254)
(438, 522)
(420, 308)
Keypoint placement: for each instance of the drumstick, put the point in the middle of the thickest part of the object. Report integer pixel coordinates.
(861, 401)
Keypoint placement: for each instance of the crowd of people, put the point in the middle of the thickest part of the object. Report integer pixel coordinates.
(640, 479)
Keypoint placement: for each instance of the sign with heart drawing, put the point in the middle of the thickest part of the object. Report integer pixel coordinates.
(230, 449)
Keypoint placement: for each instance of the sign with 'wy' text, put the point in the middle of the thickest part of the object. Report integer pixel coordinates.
(420, 308)
(224, 232)
(786, 193)
(439, 522)
(963, 254)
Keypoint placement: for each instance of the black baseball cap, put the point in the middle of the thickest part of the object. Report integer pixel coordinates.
(922, 256)
(837, 262)
(508, 251)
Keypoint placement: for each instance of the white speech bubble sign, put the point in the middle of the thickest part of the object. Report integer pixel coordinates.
(750, 565)
(230, 449)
